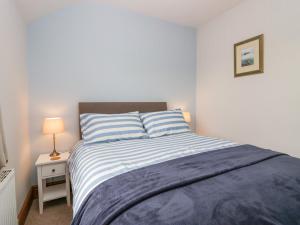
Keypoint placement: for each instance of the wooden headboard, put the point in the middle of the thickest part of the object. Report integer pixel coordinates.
(119, 107)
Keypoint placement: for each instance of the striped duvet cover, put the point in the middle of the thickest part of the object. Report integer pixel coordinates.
(90, 165)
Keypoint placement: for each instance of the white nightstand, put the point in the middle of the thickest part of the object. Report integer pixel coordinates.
(47, 168)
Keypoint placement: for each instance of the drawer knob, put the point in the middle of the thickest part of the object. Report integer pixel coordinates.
(53, 170)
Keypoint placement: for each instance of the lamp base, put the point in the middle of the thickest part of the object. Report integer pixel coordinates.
(54, 153)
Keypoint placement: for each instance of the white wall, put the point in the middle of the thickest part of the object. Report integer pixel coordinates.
(94, 52)
(13, 95)
(263, 110)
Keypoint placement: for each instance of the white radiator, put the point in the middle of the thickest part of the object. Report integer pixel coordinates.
(8, 211)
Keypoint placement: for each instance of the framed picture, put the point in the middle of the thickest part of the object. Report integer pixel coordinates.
(249, 56)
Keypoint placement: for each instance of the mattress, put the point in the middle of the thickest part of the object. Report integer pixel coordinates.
(90, 165)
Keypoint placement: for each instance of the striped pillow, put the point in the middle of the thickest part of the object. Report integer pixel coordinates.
(111, 127)
(164, 123)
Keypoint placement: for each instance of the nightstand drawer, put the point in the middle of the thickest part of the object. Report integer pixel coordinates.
(53, 170)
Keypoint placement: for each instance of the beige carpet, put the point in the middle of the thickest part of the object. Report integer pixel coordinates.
(55, 213)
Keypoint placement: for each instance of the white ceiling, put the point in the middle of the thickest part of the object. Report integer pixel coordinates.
(186, 12)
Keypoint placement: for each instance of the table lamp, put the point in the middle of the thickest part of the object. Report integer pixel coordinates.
(53, 126)
(187, 117)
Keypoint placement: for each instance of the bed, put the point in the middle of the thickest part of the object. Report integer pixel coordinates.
(181, 179)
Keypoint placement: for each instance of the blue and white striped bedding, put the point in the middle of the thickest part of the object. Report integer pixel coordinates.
(111, 127)
(162, 123)
(92, 164)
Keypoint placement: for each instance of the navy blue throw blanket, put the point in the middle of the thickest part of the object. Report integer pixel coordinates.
(242, 185)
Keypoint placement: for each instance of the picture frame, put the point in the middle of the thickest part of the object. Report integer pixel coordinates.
(249, 56)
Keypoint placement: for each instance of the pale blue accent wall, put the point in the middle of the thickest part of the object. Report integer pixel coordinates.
(93, 52)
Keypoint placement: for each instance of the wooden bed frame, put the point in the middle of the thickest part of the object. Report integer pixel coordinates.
(119, 107)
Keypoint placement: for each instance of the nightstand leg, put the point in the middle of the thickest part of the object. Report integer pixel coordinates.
(40, 189)
(68, 187)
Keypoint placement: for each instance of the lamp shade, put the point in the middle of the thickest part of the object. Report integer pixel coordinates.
(187, 117)
(53, 126)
